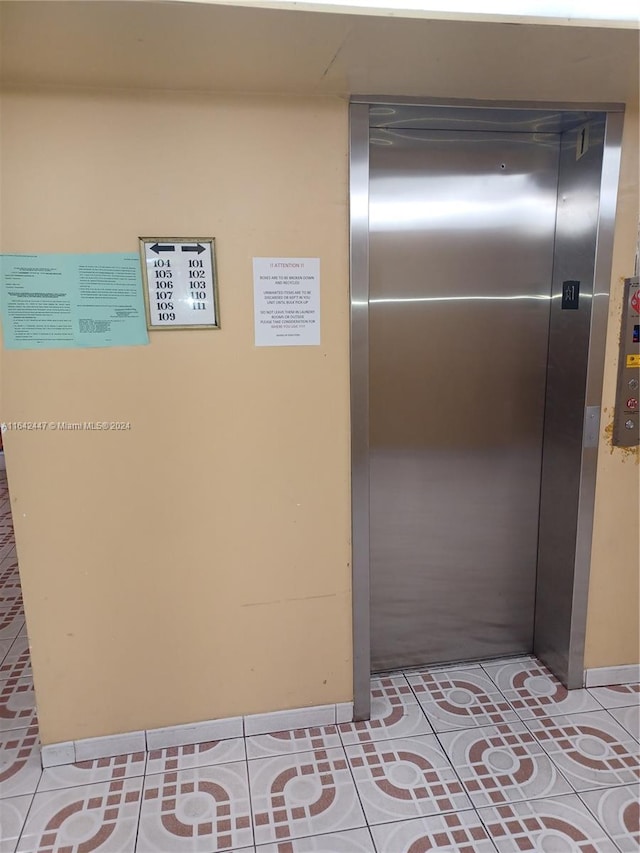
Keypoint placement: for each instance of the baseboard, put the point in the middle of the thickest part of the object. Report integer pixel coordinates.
(604, 676)
(87, 749)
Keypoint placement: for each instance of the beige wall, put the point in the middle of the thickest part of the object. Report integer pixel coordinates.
(613, 633)
(197, 566)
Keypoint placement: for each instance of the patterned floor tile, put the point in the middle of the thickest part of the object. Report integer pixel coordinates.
(617, 696)
(461, 832)
(563, 825)
(11, 599)
(196, 810)
(503, 764)
(9, 572)
(299, 740)
(5, 645)
(195, 755)
(7, 542)
(92, 772)
(618, 811)
(17, 704)
(460, 699)
(12, 816)
(20, 766)
(408, 777)
(629, 719)
(308, 793)
(395, 712)
(352, 841)
(533, 691)
(9, 557)
(10, 625)
(394, 688)
(591, 750)
(16, 665)
(15, 683)
(9, 575)
(100, 818)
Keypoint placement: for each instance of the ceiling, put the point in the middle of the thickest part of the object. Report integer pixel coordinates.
(204, 47)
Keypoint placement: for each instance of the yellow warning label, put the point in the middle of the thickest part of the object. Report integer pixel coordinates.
(633, 360)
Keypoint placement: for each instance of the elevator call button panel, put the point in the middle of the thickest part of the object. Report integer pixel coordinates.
(626, 421)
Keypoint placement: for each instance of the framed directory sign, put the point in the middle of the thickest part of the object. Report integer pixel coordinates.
(180, 283)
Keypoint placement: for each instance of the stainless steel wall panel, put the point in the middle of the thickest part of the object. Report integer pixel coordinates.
(359, 273)
(595, 373)
(461, 240)
(574, 382)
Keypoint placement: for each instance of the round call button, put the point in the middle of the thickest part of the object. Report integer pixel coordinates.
(632, 404)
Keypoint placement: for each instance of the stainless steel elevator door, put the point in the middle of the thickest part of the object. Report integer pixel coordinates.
(461, 248)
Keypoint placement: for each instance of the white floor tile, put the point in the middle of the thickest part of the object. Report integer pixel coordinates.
(461, 699)
(195, 755)
(20, 767)
(592, 750)
(298, 740)
(306, 793)
(546, 826)
(618, 811)
(629, 719)
(503, 764)
(351, 841)
(533, 691)
(457, 831)
(93, 771)
(405, 778)
(13, 813)
(617, 696)
(196, 810)
(100, 818)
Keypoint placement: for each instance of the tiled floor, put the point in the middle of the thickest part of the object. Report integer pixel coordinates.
(486, 758)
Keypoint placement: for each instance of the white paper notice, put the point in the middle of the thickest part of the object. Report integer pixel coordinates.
(286, 300)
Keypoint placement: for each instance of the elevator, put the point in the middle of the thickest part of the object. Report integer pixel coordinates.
(481, 249)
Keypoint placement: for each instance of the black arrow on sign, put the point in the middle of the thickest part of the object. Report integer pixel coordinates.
(157, 248)
(197, 248)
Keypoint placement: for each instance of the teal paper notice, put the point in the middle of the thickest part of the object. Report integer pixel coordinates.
(63, 301)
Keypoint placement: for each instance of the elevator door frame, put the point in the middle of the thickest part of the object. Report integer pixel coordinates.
(541, 115)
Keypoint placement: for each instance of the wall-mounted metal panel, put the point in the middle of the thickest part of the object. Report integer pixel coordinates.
(567, 422)
(626, 421)
(496, 120)
(359, 239)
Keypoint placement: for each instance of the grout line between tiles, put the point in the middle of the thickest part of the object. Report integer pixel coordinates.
(486, 828)
(140, 802)
(251, 810)
(596, 818)
(355, 784)
(28, 814)
(88, 783)
(634, 737)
